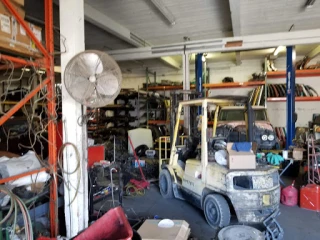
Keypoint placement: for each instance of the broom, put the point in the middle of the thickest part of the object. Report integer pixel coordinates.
(143, 183)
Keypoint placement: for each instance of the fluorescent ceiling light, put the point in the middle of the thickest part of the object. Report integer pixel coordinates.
(164, 11)
(278, 49)
(309, 3)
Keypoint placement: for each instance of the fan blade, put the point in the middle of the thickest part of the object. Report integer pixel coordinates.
(84, 91)
(77, 81)
(108, 84)
(92, 63)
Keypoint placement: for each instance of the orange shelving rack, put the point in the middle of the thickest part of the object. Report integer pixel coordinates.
(46, 61)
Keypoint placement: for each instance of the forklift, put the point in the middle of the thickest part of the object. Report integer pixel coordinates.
(254, 195)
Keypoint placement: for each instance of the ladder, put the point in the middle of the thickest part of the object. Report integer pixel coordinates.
(313, 165)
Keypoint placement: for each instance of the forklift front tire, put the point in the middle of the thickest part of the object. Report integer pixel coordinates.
(216, 211)
(165, 184)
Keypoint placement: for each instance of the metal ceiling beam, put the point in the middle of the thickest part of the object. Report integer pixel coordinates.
(230, 44)
(104, 22)
(315, 52)
(235, 16)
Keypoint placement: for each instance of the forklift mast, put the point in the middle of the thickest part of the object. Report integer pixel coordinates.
(175, 98)
(250, 123)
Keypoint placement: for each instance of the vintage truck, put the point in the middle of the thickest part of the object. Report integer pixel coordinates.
(231, 123)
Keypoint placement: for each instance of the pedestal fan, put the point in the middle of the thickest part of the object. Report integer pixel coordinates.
(93, 78)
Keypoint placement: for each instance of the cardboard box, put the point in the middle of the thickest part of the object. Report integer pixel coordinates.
(297, 153)
(151, 231)
(13, 38)
(37, 32)
(21, 11)
(241, 160)
(25, 39)
(19, 2)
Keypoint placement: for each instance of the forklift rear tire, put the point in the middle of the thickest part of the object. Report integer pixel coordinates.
(216, 211)
(165, 184)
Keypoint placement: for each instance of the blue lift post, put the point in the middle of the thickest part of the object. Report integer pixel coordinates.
(290, 85)
(198, 68)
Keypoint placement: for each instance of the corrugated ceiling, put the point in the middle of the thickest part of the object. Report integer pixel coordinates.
(196, 19)
(201, 19)
(271, 16)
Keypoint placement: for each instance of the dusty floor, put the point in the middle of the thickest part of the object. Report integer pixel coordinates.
(296, 222)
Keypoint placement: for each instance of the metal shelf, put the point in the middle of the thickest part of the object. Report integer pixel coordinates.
(212, 85)
(117, 107)
(158, 122)
(15, 102)
(45, 60)
(234, 84)
(4, 180)
(168, 87)
(157, 149)
(161, 122)
(299, 73)
(168, 122)
(297, 99)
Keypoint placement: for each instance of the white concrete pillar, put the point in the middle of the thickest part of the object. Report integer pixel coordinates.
(186, 86)
(72, 40)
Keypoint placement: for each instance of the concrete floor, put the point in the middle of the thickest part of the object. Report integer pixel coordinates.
(296, 222)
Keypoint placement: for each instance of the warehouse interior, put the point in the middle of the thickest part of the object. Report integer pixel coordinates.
(159, 119)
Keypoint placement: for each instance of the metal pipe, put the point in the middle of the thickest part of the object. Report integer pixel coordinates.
(198, 69)
(11, 66)
(52, 128)
(120, 186)
(250, 123)
(147, 102)
(23, 101)
(20, 20)
(48, 63)
(21, 61)
(290, 87)
(186, 87)
(111, 170)
(114, 148)
(15, 177)
(205, 78)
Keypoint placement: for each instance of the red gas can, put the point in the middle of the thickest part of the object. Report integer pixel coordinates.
(289, 195)
(310, 197)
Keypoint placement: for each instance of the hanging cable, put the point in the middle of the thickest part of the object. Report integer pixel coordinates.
(65, 173)
(16, 201)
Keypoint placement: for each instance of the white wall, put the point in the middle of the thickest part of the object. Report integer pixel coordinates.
(242, 73)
